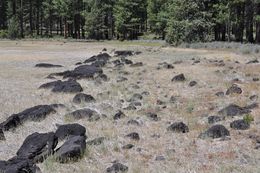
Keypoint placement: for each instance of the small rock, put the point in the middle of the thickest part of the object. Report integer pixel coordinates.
(253, 62)
(121, 79)
(133, 136)
(234, 110)
(83, 98)
(133, 122)
(253, 98)
(220, 94)
(46, 65)
(119, 115)
(178, 127)
(117, 168)
(138, 64)
(234, 89)
(160, 158)
(179, 77)
(193, 83)
(153, 116)
(128, 147)
(240, 125)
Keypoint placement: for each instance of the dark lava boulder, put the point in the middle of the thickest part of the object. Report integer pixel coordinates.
(214, 119)
(70, 86)
(216, 131)
(234, 89)
(234, 110)
(179, 77)
(72, 150)
(85, 113)
(240, 125)
(2, 136)
(18, 165)
(124, 53)
(133, 136)
(117, 168)
(81, 72)
(96, 141)
(38, 146)
(83, 98)
(36, 113)
(47, 65)
(67, 130)
(178, 127)
(102, 57)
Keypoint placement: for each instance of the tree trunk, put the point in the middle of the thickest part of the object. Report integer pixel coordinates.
(21, 19)
(249, 9)
(258, 23)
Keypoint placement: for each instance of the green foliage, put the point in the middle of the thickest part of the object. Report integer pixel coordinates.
(189, 25)
(3, 34)
(248, 118)
(13, 28)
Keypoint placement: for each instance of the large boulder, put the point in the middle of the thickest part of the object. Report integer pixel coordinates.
(85, 113)
(84, 71)
(83, 98)
(67, 130)
(178, 127)
(18, 165)
(38, 146)
(240, 125)
(102, 57)
(72, 150)
(36, 113)
(216, 131)
(70, 86)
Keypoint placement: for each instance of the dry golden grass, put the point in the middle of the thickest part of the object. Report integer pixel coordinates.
(184, 153)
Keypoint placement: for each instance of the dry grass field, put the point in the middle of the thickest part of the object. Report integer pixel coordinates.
(158, 150)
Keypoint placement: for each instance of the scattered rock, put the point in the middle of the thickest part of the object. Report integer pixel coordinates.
(253, 62)
(70, 86)
(214, 119)
(138, 64)
(234, 110)
(220, 94)
(193, 83)
(128, 147)
(153, 116)
(117, 168)
(133, 136)
(36, 113)
(179, 77)
(38, 146)
(102, 57)
(234, 89)
(121, 79)
(178, 127)
(72, 149)
(119, 115)
(46, 65)
(240, 125)
(83, 98)
(96, 141)
(67, 130)
(124, 53)
(136, 97)
(160, 158)
(85, 113)
(216, 131)
(173, 99)
(253, 98)
(133, 122)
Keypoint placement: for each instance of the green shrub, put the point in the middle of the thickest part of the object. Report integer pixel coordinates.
(3, 34)
(248, 118)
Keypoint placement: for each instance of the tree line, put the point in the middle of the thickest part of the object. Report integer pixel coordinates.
(176, 21)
